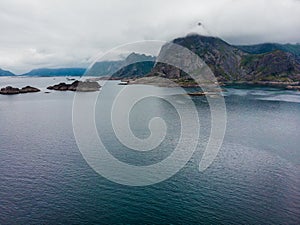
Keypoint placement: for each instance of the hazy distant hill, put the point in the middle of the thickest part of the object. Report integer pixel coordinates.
(46, 72)
(6, 73)
(134, 65)
(104, 68)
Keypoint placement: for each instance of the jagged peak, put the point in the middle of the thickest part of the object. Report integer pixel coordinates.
(137, 57)
(195, 37)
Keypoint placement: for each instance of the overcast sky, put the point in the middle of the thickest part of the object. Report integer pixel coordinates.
(63, 33)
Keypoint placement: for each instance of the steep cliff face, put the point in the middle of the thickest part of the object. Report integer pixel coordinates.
(230, 63)
(222, 58)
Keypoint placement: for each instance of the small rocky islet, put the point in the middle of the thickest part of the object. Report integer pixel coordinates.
(81, 86)
(9, 90)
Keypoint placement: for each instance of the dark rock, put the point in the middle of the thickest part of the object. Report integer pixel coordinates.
(12, 90)
(29, 89)
(9, 91)
(59, 87)
(82, 86)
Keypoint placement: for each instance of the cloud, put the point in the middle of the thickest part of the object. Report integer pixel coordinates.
(53, 33)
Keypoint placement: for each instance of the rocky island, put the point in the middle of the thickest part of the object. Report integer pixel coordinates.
(82, 86)
(13, 90)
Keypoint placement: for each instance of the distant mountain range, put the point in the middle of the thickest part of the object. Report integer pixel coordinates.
(45, 72)
(269, 47)
(5, 73)
(262, 62)
(134, 65)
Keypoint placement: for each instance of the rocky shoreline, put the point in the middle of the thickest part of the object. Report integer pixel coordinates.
(90, 86)
(81, 86)
(151, 80)
(275, 84)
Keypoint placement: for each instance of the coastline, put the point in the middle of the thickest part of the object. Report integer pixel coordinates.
(162, 82)
(191, 83)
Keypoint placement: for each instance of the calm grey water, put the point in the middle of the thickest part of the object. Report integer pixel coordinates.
(255, 179)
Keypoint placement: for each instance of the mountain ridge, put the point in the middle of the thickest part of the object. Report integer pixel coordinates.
(48, 72)
(6, 73)
(229, 63)
(134, 65)
(269, 47)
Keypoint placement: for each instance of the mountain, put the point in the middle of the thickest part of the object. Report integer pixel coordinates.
(6, 73)
(269, 62)
(46, 72)
(136, 57)
(220, 56)
(272, 66)
(104, 68)
(232, 63)
(270, 47)
(134, 65)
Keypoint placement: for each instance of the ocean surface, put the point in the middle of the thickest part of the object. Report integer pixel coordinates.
(44, 178)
